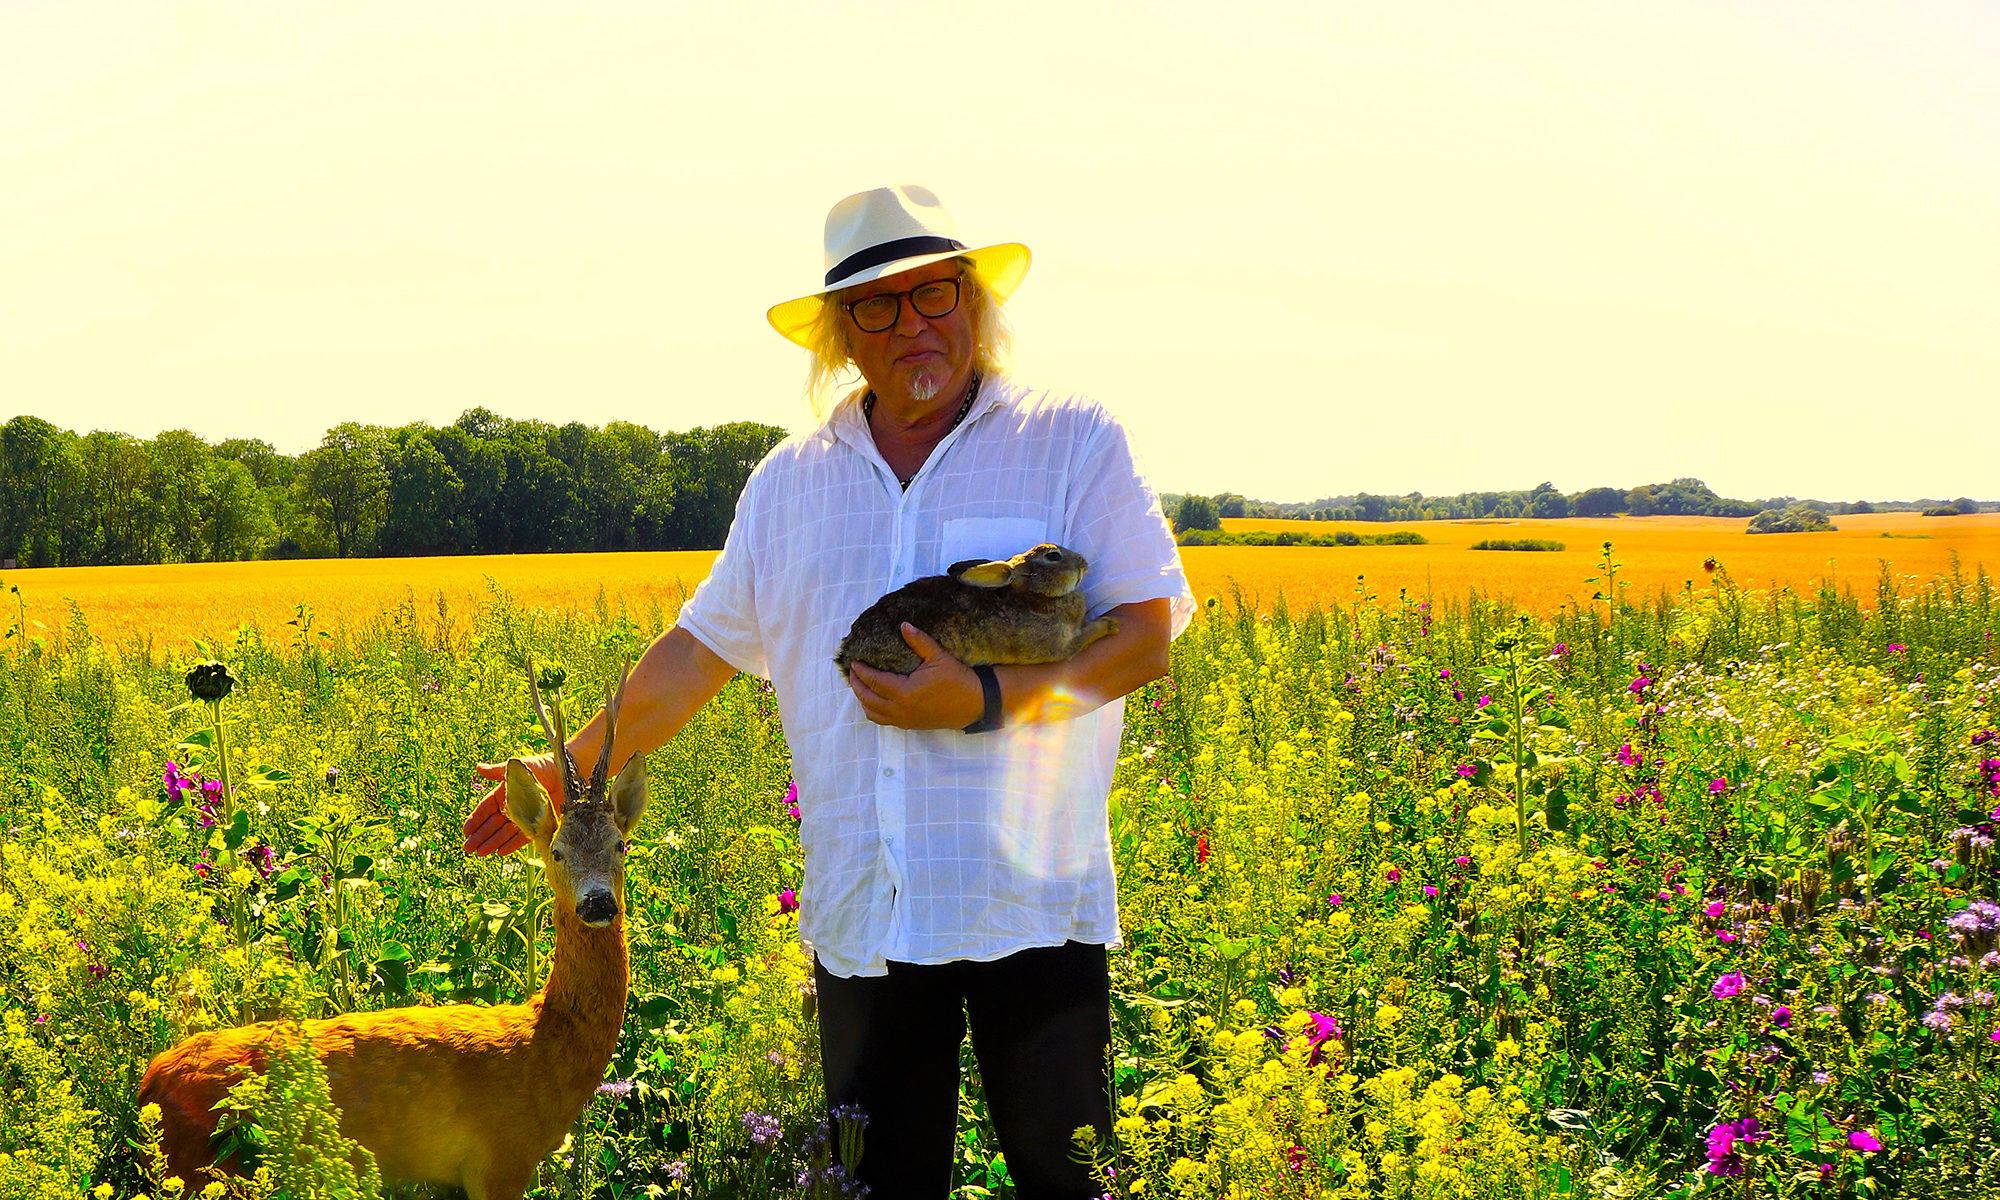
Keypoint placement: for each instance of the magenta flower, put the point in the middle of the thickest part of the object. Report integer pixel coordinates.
(1716, 908)
(1781, 1017)
(788, 901)
(1726, 985)
(1333, 900)
(1430, 891)
(1717, 786)
(1484, 701)
(1394, 875)
(1463, 860)
(1638, 686)
(1897, 648)
(1864, 1140)
(1630, 759)
(792, 800)
(1467, 770)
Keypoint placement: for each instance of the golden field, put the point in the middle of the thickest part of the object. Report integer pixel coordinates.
(167, 607)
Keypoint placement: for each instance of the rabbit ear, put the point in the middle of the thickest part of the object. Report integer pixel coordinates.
(988, 574)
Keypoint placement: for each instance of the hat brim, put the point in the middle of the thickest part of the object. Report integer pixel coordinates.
(1000, 268)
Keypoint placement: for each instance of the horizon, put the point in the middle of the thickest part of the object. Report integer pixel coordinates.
(1330, 251)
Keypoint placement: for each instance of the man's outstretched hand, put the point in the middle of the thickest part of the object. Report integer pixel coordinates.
(489, 830)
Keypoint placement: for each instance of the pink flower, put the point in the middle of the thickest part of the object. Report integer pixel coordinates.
(788, 901)
(1333, 900)
(1430, 891)
(792, 801)
(1463, 860)
(1716, 908)
(1895, 648)
(1726, 985)
(1717, 786)
(1394, 875)
(1864, 1140)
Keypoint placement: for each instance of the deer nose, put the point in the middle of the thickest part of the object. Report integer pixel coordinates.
(597, 907)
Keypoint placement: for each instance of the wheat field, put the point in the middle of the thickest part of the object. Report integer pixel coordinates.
(163, 609)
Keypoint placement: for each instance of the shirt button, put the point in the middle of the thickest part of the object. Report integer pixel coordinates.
(888, 772)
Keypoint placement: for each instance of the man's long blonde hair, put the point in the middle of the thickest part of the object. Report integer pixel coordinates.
(830, 374)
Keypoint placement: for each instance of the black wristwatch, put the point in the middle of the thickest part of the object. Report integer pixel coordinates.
(989, 687)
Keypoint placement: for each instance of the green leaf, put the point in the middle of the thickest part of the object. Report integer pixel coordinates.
(200, 739)
(238, 830)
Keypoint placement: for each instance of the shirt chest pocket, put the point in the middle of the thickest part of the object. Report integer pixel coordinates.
(988, 538)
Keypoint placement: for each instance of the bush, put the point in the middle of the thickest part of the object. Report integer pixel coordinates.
(1517, 544)
(1799, 518)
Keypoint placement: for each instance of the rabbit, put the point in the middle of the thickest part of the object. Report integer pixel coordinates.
(1023, 610)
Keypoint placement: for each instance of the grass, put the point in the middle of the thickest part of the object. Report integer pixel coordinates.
(1399, 880)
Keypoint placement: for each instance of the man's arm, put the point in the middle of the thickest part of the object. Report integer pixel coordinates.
(669, 684)
(943, 693)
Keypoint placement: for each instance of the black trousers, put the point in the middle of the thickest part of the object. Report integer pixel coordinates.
(1041, 1031)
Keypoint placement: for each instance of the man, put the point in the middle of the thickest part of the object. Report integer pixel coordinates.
(957, 859)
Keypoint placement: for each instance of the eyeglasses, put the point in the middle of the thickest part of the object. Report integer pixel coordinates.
(933, 300)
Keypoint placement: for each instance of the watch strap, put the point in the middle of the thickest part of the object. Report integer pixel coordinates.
(989, 687)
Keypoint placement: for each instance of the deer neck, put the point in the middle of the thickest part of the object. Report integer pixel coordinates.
(584, 1002)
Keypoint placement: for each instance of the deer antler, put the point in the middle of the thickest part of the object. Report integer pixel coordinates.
(558, 737)
(613, 697)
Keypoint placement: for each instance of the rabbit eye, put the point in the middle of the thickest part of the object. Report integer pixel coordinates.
(622, 847)
(555, 854)
(1053, 556)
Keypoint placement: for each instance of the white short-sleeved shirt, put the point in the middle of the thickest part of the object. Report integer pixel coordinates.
(928, 846)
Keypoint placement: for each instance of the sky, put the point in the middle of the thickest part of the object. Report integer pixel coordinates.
(1300, 250)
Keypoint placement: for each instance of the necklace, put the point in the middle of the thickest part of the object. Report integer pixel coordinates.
(971, 391)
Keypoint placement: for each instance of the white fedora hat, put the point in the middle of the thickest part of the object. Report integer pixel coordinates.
(880, 232)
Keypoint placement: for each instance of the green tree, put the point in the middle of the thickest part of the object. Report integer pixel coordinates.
(1550, 505)
(36, 471)
(343, 487)
(1196, 512)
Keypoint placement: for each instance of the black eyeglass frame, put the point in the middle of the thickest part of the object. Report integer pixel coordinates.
(957, 294)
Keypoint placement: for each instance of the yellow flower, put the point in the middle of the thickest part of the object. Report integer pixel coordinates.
(1387, 1015)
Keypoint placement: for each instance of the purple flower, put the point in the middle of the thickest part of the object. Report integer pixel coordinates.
(1333, 900)
(1430, 891)
(1445, 674)
(1781, 1017)
(1561, 650)
(1716, 908)
(1723, 1141)
(792, 800)
(1864, 1140)
(617, 1089)
(1726, 985)
(1717, 786)
(1394, 875)
(1467, 770)
(762, 1127)
(1638, 686)
(1630, 759)
(788, 901)
(1897, 647)
(1463, 860)
(1484, 701)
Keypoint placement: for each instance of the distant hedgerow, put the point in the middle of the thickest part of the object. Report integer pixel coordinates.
(1265, 537)
(1517, 544)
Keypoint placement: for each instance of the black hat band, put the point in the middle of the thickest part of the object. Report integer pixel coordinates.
(890, 251)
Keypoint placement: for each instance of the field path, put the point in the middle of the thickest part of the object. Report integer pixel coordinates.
(169, 606)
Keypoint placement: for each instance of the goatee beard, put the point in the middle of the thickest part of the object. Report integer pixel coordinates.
(924, 389)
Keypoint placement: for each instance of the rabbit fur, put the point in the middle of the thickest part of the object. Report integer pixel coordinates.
(1025, 609)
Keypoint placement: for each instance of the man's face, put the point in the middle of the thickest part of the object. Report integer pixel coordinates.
(918, 357)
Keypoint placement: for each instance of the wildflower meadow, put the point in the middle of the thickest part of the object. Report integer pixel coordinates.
(1689, 894)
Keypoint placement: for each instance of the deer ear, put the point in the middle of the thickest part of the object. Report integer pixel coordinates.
(988, 574)
(527, 804)
(628, 795)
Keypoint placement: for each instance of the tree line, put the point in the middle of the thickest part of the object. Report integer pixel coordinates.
(1684, 497)
(481, 485)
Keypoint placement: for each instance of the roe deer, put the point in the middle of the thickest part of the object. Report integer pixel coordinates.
(462, 1094)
